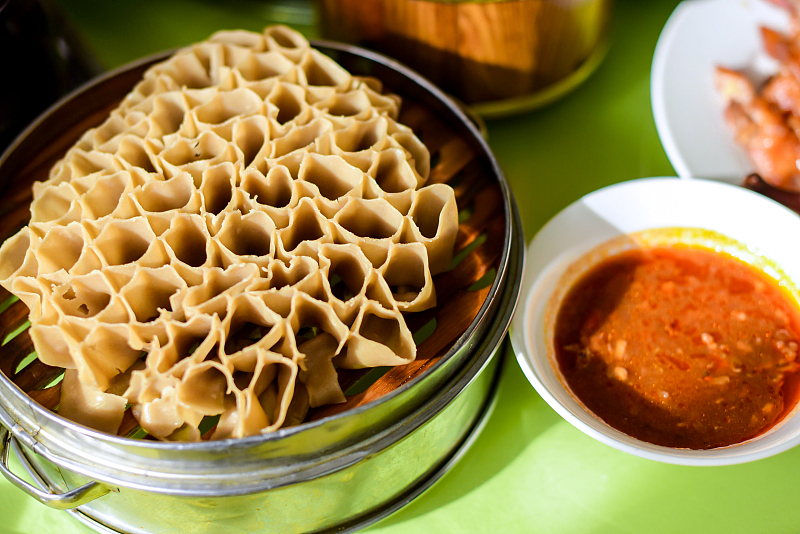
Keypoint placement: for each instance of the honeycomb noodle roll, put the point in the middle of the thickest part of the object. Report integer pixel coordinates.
(248, 219)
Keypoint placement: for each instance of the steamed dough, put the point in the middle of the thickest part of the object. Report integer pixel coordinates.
(248, 219)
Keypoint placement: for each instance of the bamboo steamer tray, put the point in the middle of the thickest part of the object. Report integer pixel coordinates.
(499, 56)
(400, 427)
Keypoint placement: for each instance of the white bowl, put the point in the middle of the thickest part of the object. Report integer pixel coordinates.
(688, 113)
(768, 229)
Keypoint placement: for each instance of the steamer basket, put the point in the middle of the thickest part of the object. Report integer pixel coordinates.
(350, 464)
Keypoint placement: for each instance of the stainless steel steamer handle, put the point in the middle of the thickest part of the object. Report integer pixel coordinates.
(59, 501)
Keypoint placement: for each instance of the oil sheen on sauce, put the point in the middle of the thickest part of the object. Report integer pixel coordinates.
(680, 346)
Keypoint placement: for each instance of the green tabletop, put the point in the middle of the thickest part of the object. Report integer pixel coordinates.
(529, 471)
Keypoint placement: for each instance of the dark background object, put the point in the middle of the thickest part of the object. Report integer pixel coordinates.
(756, 183)
(42, 59)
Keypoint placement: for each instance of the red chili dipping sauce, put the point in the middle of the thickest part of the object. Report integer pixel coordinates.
(680, 347)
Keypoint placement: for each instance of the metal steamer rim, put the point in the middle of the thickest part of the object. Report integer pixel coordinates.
(62, 442)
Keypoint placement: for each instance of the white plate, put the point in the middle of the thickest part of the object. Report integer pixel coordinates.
(700, 35)
(627, 208)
